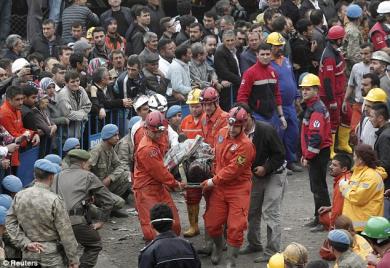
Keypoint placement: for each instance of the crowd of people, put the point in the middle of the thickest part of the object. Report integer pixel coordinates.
(252, 78)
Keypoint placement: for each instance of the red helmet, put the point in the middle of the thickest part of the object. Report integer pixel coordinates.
(237, 116)
(209, 95)
(336, 32)
(155, 121)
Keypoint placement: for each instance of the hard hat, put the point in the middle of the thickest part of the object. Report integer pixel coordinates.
(276, 261)
(158, 102)
(295, 254)
(381, 55)
(383, 7)
(354, 11)
(376, 95)
(276, 39)
(237, 116)
(155, 121)
(209, 95)
(140, 101)
(259, 19)
(377, 227)
(310, 80)
(89, 33)
(18, 64)
(194, 96)
(12, 184)
(336, 32)
(5, 201)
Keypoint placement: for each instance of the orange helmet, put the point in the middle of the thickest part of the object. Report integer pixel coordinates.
(237, 116)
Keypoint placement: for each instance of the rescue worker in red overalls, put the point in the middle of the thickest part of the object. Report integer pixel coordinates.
(191, 126)
(333, 86)
(380, 32)
(231, 187)
(151, 177)
(213, 120)
(316, 138)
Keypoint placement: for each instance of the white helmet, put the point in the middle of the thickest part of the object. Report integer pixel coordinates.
(18, 64)
(158, 102)
(383, 7)
(140, 101)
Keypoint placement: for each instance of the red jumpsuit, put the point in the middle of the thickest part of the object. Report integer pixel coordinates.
(230, 196)
(191, 129)
(212, 124)
(379, 37)
(151, 178)
(333, 85)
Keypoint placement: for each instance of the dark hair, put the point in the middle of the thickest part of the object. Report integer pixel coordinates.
(340, 247)
(49, 21)
(77, 24)
(317, 264)
(185, 21)
(339, 4)
(316, 16)
(229, 19)
(254, 26)
(12, 91)
(381, 109)
(181, 51)
(264, 46)
(29, 90)
(365, 45)
(161, 211)
(98, 30)
(209, 36)
(373, 7)
(211, 14)
(162, 43)
(244, 106)
(57, 67)
(116, 51)
(241, 23)
(98, 74)
(36, 56)
(375, 80)
(367, 155)
(344, 160)
(5, 63)
(133, 60)
(279, 24)
(40, 174)
(63, 48)
(163, 23)
(269, 13)
(302, 25)
(139, 9)
(333, 21)
(76, 58)
(196, 24)
(184, 7)
(71, 74)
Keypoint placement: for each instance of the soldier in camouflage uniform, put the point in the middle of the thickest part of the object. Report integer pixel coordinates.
(353, 37)
(106, 166)
(78, 187)
(38, 222)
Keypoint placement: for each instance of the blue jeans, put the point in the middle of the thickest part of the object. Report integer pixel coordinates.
(5, 19)
(55, 7)
(274, 121)
(290, 135)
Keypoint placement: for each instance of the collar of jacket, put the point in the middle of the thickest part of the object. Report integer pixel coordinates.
(381, 129)
(311, 101)
(341, 176)
(182, 63)
(41, 185)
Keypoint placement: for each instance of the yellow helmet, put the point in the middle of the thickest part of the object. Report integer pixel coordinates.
(89, 33)
(376, 95)
(276, 261)
(276, 39)
(310, 80)
(194, 96)
(295, 254)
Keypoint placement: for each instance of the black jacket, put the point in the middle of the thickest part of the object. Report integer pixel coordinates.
(269, 148)
(289, 9)
(107, 101)
(41, 44)
(168, 251)
(126, 13)
(226, 66)
(382, 147)
(326, 6)
(301, 54)
(133, 87)
(135, 40)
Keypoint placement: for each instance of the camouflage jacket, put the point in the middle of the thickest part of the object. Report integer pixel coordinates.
(352, 42)
(125, 152)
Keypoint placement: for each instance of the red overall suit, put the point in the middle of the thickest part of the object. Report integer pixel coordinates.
(230, 196)
(379, 37)
(151, 178)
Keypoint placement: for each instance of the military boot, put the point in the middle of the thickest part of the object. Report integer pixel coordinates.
(193, 212)
(216, 254)
(232, 253)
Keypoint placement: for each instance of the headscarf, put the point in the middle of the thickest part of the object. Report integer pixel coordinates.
(45, 83)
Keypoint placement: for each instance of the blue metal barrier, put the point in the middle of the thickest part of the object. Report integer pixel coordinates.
(26, 169)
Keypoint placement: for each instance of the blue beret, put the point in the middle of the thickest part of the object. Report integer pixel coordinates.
(134, 120)
(55, 159)
(3, 214)
(339, 236)
(108, 131)
(70, 144)
(12, 184)
(5, 201)
(57, 167)
(46, 165)
(173, 110)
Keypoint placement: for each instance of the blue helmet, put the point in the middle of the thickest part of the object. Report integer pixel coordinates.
(12, 184)
(354, 11)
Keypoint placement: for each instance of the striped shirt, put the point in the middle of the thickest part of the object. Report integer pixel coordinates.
(76, 13)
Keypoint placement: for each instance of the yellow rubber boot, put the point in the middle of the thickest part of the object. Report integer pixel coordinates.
(343, 139)
(332, 153)
(193, 213)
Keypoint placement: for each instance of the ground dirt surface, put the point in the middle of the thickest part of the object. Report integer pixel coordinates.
(122, 238)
